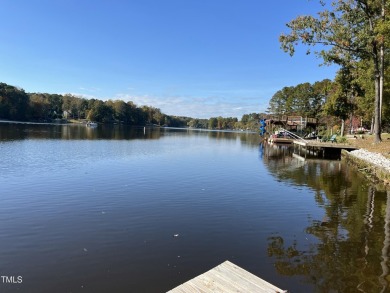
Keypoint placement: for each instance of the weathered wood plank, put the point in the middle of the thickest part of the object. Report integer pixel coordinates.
(226, 278)
(228, 284)
(247, 278)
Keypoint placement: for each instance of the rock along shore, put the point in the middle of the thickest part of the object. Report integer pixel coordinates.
(373, 164)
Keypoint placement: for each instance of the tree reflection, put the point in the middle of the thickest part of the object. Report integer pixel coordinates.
(384, 277)
(21, 131)
(352, 240)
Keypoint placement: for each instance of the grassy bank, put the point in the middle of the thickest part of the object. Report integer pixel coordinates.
(367, 143)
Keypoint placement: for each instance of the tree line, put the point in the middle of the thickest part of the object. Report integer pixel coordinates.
(16, 104)
(247, 122)
(305, 99)
(330, 103)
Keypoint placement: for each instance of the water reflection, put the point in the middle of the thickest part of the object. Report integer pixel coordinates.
(74, 132)
(350, 250)
(21, 131)
(278, 216)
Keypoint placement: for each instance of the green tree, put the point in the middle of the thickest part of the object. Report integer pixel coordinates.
(13, 102)
(67, 105)
(100, 112)
(158, 117)
(304, 99)
(231, 122)
(74, 106)
(321, 94)
(122, 110)
(339, 103)
(219, 122)
(39, 107)
(81, 107)
(193, 123)
(282, 102)
(303, 96)
(364, 103)
(55, 102)
(213, 123)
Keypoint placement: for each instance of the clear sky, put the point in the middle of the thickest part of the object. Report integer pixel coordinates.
(197, 58)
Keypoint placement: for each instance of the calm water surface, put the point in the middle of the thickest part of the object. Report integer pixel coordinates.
(95, 210)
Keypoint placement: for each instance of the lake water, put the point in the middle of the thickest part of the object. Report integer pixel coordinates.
(96, 210)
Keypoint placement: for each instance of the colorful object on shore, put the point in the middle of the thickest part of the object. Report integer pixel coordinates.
(263, 126)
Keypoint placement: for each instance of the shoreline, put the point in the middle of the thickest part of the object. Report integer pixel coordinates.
(373, 165)
(34, 123)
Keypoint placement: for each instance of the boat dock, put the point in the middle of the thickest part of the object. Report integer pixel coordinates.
(280, 140)
(225, 278)
(318, 148)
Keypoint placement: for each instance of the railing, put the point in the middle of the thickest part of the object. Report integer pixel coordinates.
(294, 119)
(293, 135)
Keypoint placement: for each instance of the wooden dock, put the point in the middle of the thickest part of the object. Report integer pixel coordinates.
(318, 144)
(320, 149)
(280, 140)
(226, 278)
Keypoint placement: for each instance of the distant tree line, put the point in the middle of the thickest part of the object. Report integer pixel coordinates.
(247, 122)
(16, 104)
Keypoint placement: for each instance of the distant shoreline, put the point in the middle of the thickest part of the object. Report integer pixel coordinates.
(74, 122)
(32, 122)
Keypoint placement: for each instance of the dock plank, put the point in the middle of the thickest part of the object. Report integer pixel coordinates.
(230, 283)
(225, 282)
(245, 278)
(215, 284)
(226, 278)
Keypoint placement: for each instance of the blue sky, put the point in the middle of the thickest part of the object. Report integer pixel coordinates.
(197, 58)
